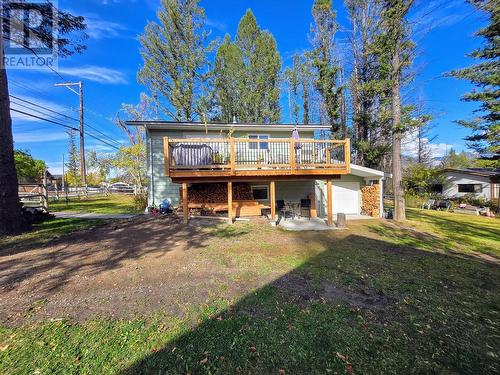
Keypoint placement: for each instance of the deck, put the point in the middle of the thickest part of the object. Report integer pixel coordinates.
(243, 158)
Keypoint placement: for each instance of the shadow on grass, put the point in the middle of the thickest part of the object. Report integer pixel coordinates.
(98, 250)
(363, 305)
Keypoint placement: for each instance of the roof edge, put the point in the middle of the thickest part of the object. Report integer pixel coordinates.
(159, 124)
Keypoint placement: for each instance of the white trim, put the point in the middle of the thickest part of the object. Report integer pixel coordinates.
(167, 125)
(360, 171)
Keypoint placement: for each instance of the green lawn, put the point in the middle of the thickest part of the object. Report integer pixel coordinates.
(373, 299)
(446, 231)
(112, 204)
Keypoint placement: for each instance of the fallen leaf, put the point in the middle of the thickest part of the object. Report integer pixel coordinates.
(253, 349)
(349, 369)
(203, 361)
(341, 357)
(281, 371)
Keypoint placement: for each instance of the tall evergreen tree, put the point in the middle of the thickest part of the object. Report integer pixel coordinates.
(260, 98)
(398, 49)
(485, 137)
(73, 164)
(324, 61)
(305, 77)
(292, 78)
(175, 51)
(368, 84)
(229, 81)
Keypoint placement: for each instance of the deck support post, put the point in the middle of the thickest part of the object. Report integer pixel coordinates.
(185, 208)
(272, 199)
(329, 201)
(230, 202)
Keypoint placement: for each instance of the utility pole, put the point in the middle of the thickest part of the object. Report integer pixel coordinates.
(83, 167)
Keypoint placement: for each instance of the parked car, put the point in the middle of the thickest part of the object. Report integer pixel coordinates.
(121, 187)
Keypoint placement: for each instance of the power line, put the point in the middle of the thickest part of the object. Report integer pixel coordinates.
(39, 111)
(58, 113)
(102, 141)
(103, 134)
(92, 112)
(43, 118)
(41, 106)
(63, 125)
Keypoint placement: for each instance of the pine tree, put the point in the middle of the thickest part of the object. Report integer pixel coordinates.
(175, 67)
(485, 137)
(292, 77)
(229, 81)
(73, 164)
(397, 56)
(368, 84)
(324, 62)
(306, 85)
(260, 98)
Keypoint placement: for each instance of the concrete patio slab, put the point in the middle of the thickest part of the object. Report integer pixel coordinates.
(302, 224)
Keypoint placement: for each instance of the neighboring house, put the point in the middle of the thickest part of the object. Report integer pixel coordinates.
(483, 183)
(265, 159)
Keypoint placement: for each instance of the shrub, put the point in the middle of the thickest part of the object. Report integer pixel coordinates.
(140, 201)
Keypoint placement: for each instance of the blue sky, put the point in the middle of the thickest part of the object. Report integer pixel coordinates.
(444, 33)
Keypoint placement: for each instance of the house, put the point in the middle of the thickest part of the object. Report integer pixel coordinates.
(245, 168)
(482, 183)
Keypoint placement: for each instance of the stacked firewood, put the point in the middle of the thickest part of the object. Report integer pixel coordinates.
(217, 193)
(370, 196)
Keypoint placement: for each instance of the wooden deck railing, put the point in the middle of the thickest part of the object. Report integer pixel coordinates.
(238, 156)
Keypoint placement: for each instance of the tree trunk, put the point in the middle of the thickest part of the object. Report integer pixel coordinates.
(397, 175)
(11, 219)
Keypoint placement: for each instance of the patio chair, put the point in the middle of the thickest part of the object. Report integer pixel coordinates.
(429, 204)
(305, 208)
(282, 209)
(444, 205)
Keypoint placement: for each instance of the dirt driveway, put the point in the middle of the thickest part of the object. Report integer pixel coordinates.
(119, 270)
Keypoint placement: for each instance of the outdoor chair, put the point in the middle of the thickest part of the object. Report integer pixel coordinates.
(429, 204)
(305, 208)
(282, 209)
(444, 205)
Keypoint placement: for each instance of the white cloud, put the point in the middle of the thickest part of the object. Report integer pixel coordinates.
(39, 136)
(215, 24)
(98, 28)
(410, 146)
(97, 74)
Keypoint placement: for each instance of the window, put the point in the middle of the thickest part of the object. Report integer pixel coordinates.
(437, 188)
(260, 193)
(470, 188)
(258, 145)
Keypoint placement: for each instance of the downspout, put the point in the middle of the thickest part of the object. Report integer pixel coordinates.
(151, 177)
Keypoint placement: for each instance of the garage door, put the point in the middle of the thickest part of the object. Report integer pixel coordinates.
(346, 197)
